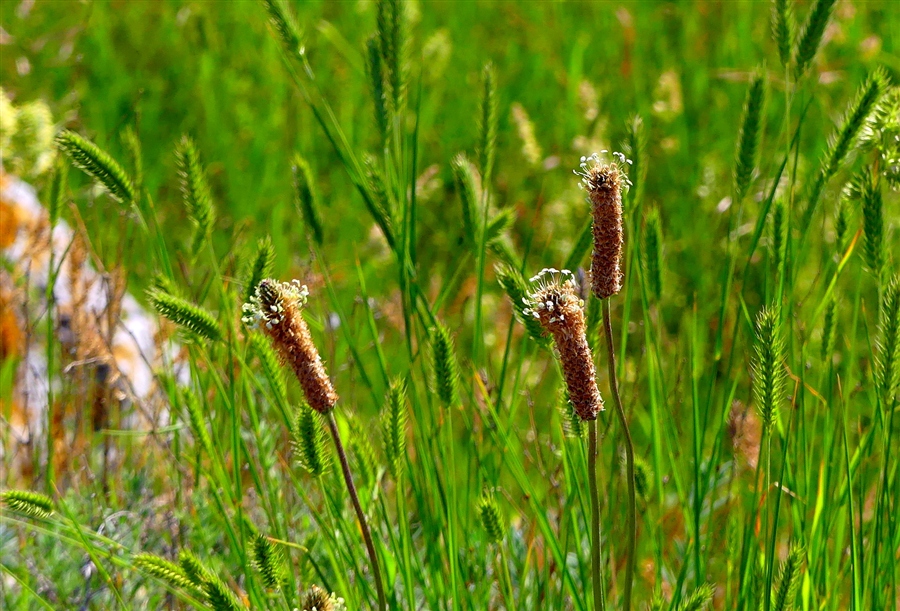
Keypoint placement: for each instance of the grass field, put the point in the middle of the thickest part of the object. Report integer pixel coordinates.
(756, 336)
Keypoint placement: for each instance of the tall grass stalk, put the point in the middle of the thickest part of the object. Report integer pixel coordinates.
(631, 508)
(360, 514)
(596, 548)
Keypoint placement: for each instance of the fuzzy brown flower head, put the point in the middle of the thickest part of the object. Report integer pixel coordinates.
(317, 599)
(604, 183)
(554, 302)
(276, 308)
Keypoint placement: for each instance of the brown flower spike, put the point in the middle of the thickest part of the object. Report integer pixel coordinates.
(276, 308)
(556, 305)
(603, 183)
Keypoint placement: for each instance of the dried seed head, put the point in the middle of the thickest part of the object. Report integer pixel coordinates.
(554, 302)
(604, 183)
(276, 308)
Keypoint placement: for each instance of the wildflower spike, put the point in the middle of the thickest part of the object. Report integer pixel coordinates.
(604, 183)
(554, 303)
(276, 308)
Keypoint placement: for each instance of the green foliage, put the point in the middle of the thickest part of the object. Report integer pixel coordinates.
(261, 267)
(378, 203)
(32, 504)
(185, 314)
(828, 330)
(56, 195)
(779, 237)
(195, 190)
(464, 178)
(93, 161)
(747, 149)
(364, 461)
(498, 225)
(635, 149)
(271, 368)
(487, 126)
(306, 199)
(652, 253)
(197, 421)
(136, 156)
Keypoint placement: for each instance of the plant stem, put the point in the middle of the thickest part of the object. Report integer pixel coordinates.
(363, 524)
(629, 459)
(596, 560)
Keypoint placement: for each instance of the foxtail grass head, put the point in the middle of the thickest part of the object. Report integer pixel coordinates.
(276, 308)
(604, 183)
(554, 302)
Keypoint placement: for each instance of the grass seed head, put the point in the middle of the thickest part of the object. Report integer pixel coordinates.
(308, 442)
(164, 570)
(556, 305)
(769, 374)
(604, 183)
(276, 308)
(269, 561)
(444, 365)
(491, 520)
(26, 502)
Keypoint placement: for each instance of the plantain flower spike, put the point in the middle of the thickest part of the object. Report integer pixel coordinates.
(604, 183)
(276, 308)
(555, 304)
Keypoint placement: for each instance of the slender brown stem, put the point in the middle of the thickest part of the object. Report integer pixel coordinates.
(629, 459)
(363, 524)
(596, 560)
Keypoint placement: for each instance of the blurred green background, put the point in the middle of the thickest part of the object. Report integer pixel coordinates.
(579, 70)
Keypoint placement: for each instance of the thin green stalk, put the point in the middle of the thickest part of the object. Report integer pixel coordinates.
(631, 524)
(596, 559)
(363, 524)
(405, 544)
(505, 578)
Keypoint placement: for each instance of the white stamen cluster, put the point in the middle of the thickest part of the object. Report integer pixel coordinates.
(267, 304)
(589, 175)
(554, 302)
